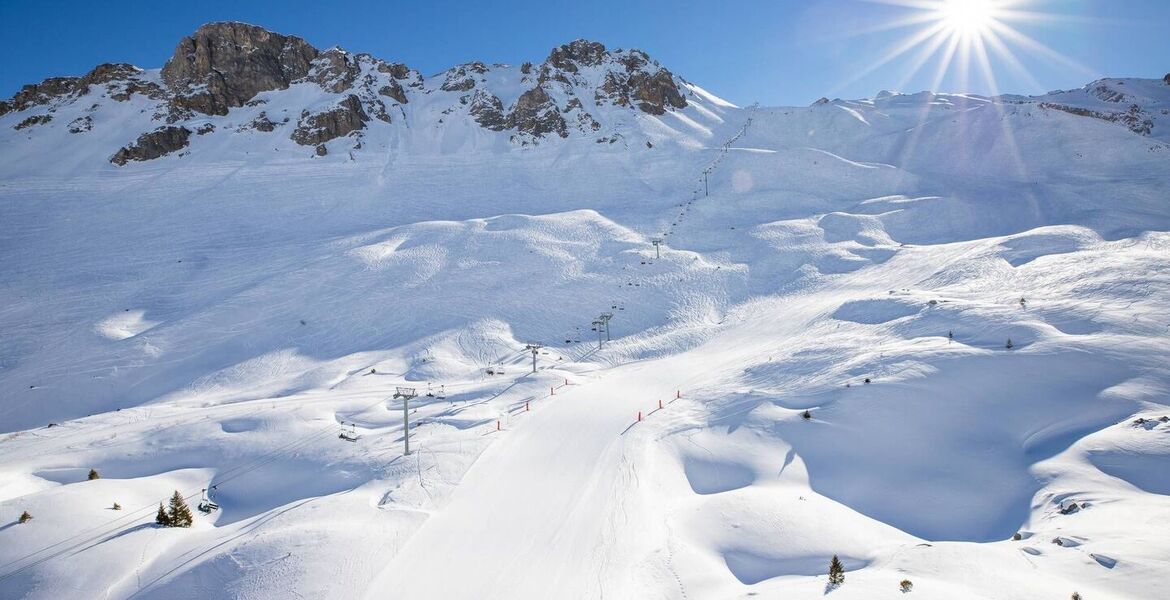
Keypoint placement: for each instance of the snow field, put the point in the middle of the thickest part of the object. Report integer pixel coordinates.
(837, 245)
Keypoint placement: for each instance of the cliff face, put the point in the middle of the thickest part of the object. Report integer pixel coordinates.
(224, 65)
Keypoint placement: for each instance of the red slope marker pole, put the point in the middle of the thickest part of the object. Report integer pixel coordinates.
(497, 425)
(525, 406)
(660, 404)
(639, 416)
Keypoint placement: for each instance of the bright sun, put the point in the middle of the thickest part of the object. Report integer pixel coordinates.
(967, 17)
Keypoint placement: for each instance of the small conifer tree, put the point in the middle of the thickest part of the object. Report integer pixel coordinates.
(806, 415)
(1076, 596)
(117, 506)
(25, 517)
(836, 571)
(180, 514)
(161, 518)
(93, 474)
(906, 585)
(1009, 345)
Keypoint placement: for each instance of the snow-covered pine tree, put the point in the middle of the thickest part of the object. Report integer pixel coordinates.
(180, 514)
(93, 474)
(836, 571)
(161, 518)
(25, 517)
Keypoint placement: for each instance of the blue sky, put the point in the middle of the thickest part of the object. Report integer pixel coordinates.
(777, 52)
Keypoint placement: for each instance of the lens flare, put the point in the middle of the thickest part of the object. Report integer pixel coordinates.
(968, 17)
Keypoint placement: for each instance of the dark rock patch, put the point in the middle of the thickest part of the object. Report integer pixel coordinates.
(463, 77)
(33, 120)
(35, 94)
(488, 111)
(577, 52)
(154, 144)
(262, 123)
(347, 117)
(535, 113)
(333, 70)
(81, 124)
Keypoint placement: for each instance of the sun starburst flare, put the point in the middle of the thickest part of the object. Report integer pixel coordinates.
(965, 38)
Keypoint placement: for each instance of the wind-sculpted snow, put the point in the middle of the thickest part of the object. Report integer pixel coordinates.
(897, 330)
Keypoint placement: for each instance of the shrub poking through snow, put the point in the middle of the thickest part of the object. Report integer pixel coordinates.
(180, 514)
(1076, 596)
(93, 474)
(161, 517)
(806, 415)
(25, 517)
(117, 506)
(836, 571)
(906, 585)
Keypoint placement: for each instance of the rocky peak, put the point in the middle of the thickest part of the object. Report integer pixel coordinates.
(577, 52)
(1166, 79)
(223, 65)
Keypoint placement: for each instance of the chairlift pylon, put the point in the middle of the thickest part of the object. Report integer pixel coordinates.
(206, 506)
(349, 435)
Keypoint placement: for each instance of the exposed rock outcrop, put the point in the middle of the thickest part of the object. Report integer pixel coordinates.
(33, 120)
(35, 94)
(1166, 79)
(463, 77)
(535, 114)
(1134, 119)
(653, 93)
(334, 70)
(488, 111)
(577, 52)
(347, 117)
(159, 142)
(81, 124)
(223, 65)
(263, 123)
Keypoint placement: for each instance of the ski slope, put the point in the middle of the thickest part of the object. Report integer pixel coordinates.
(218, 318)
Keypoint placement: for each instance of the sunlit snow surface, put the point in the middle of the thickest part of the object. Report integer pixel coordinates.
(212, 318)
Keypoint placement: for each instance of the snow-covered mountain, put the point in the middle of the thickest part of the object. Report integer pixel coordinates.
(229, 79)
(926, 333)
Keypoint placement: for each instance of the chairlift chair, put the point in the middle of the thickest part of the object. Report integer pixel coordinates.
(349, 435)
(430, 394)
(442, 395)
(206, 506)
